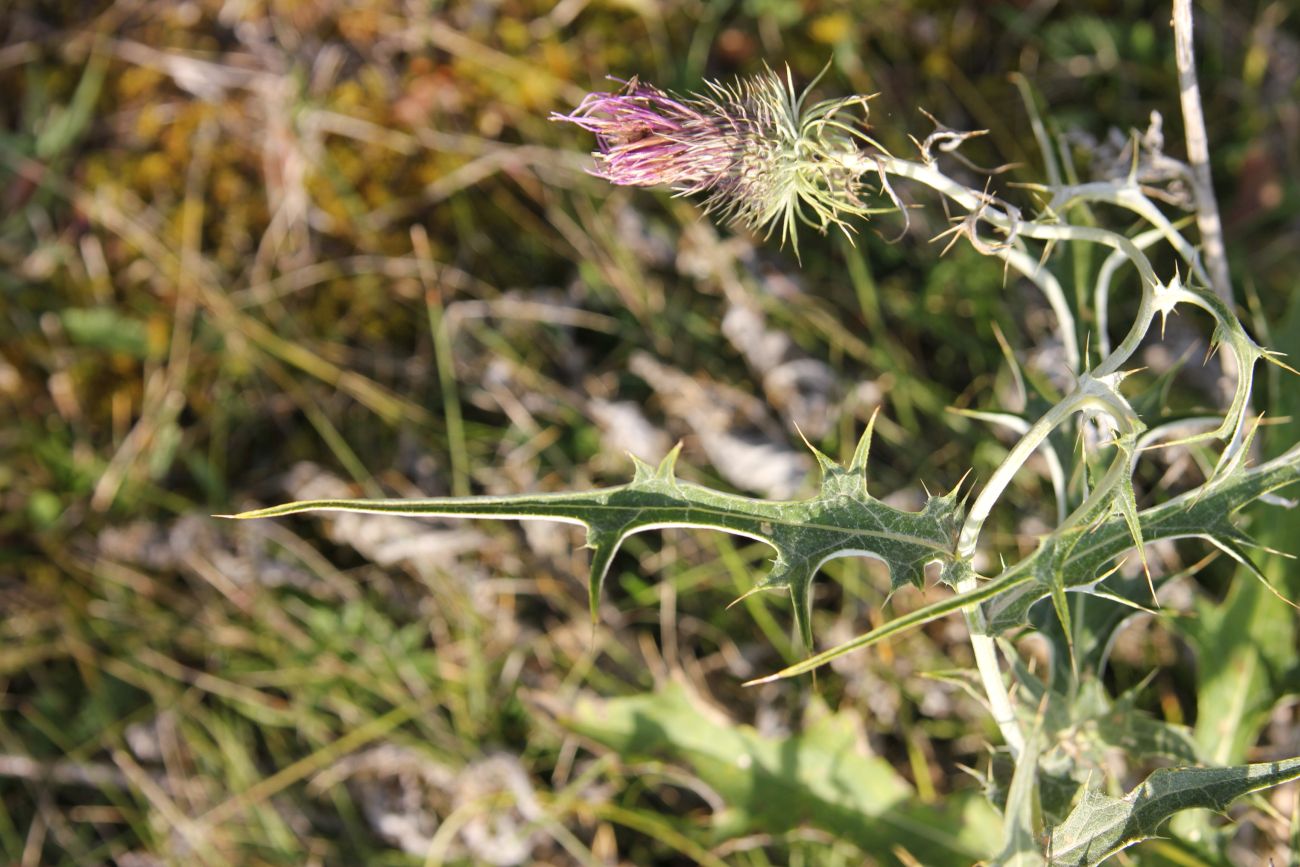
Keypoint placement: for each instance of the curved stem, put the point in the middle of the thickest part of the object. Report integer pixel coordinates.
(1017, 258)
(1015, 228)
(1101, 292)
(982, 644)
(1129, 195)
(985, 650)
(1028, 443)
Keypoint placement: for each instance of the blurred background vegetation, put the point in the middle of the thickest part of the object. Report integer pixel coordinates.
(254, 250)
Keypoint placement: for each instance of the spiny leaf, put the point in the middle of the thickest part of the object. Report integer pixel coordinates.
(841, 520)
(1127, 506)
(1078, 558)
(860, 455)
(1099, 826)
(1062, 607)
(1083, 714)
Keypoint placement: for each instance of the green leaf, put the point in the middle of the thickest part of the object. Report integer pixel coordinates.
(1080, 556)
(1141, 736)
(1099, 826)
(1078, 731)
(771, 785)
(1056, 791)
(1094, 619)
(64, 125)
(107, 329)
(1095, 725)
(1247, 643)
(841, 520)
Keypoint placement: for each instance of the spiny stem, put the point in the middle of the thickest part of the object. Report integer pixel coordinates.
(1092, 393)
(974, 201)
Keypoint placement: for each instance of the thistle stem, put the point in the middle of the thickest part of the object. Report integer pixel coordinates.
(1198, 153)
(995, 688)
(1093, 391)
(980, 203)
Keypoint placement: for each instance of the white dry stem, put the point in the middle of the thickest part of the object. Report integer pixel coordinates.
(1198, 153)
(1208, 221)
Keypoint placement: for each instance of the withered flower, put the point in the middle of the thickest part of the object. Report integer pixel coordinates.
(760, 155)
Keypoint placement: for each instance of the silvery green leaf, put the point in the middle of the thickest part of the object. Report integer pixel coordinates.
(841, 520)
(1099, 826)
(1079, 557)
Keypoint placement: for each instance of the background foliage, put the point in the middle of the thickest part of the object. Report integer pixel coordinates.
(259, 251)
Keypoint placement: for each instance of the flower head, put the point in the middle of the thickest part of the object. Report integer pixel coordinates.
(763, 158)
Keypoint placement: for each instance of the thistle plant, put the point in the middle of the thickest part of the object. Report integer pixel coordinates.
(765, 156)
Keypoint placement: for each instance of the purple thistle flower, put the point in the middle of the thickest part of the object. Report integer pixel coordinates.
(761, 157)
(647, 138)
